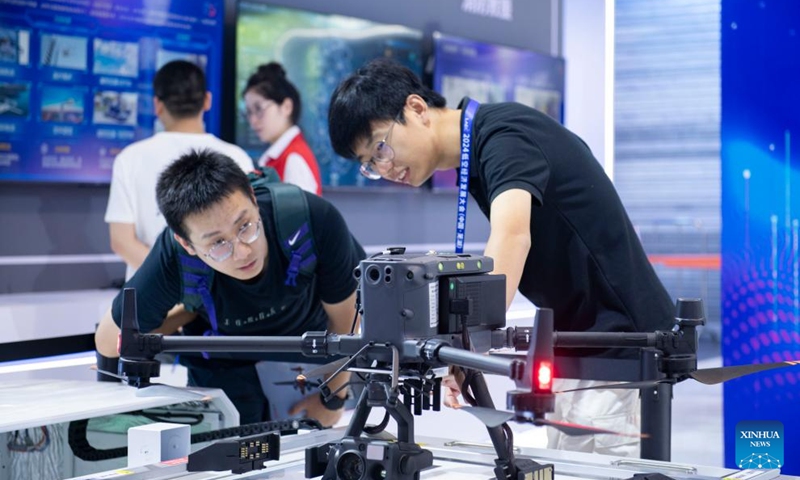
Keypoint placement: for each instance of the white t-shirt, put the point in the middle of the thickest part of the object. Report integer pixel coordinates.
(132, 198)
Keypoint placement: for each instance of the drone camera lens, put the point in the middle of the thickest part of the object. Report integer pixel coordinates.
(357, 273)
(373, 274)
(350, 466)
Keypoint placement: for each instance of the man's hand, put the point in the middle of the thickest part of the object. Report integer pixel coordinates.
(314, 408)
(452, 387)
(451, 392)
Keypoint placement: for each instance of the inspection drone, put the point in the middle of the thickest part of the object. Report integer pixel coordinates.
(421, 313)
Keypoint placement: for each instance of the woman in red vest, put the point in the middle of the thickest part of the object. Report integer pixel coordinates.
(273, 108)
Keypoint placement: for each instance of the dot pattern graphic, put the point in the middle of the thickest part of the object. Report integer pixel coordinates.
(760, 460)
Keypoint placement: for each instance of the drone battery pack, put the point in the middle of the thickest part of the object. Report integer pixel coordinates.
(479, 301)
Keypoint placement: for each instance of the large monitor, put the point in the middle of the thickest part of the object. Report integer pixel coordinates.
(76, 79)
(492, 73)
(317, 51)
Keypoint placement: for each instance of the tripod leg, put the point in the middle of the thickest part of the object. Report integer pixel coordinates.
(360, 415)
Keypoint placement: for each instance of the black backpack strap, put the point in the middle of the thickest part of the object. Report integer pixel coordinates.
(293, 227)
(196, 280)
(261, 177)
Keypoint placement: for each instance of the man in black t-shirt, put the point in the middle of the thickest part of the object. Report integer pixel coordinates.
(559, 231)
(215, 219)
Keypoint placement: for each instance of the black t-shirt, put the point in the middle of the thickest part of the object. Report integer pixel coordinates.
(585, 262)
(264, 305)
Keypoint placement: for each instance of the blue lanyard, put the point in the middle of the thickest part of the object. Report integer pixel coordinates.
(463, 173)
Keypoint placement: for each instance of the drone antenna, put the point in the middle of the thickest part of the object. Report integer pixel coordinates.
(130, 321)
(541, 357)
(358, 307)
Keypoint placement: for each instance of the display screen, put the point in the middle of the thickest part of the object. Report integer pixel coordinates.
(76, 79)
(492, 73)
(317, 51)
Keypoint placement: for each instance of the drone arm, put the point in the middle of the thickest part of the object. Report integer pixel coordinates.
(435, 350)
(229, 344)
(604, 339)
(149, 344)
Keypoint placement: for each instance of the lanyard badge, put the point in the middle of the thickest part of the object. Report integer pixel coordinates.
(463, 173)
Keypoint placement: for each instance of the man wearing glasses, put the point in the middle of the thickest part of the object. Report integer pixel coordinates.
(559, 231)
(215, 218)
(180, 99)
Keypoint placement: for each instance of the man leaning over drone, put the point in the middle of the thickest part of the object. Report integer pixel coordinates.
(559, 231)
(215, 220)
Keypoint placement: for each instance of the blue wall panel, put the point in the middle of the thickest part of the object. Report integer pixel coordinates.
(760, 208)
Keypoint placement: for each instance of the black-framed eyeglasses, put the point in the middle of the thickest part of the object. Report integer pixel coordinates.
(223, 249)
(381, 155)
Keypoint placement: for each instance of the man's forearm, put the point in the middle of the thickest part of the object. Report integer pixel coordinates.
(338, 382)
(176, 318)
(133, 252)
(106, 335)
(509, 253)
(125, 244)
(340, 320)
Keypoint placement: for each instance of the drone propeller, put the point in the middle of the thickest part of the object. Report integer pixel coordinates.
(161, 390)
(326, 369)
(494, 418)
(301, 383)
(713, 376)
(620, 386)
(706, 376)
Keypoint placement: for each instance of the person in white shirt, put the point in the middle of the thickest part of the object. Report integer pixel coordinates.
(180, 99)
(272, 108)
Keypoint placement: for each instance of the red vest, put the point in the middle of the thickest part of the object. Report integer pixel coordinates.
(299, 146)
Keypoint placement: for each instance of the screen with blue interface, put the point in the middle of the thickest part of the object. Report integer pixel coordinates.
(317, 51)
(76, 79)
(492, 73)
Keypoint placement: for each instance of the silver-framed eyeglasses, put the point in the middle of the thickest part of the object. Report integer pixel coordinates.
(381, 155)
(257, 111)
(223, 249)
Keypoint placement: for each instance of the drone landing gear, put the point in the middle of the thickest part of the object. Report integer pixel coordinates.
(360, 458)
(357, 458)
(507, 467)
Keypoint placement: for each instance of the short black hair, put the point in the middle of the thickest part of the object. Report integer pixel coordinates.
(375, 92)
(181, 86)
(270, 82)
(194, 183)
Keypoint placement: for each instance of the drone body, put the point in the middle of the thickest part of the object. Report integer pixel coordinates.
(420, 313)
